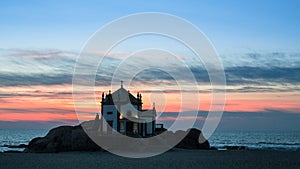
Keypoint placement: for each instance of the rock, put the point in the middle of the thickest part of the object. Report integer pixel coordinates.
(192, 140)
(74, 138)
(213, 148)
(18, 146)
(12, 151)
(160, 130)
(82, 142)
(38, 144)
(63, 139)
(235, 147)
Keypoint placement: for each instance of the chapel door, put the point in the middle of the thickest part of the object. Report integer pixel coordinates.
(129, 127)
(109, 127)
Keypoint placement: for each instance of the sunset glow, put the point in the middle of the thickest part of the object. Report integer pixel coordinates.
(54, 103)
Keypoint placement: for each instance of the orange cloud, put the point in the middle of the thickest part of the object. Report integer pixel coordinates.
(37, 117)
(55, 103)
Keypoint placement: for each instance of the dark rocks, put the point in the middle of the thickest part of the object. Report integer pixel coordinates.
(213, 148)
(235, 147)
(74, 138)
(160, 130)
(192, 140)
(18, 146)
(62, 139)
(12, 151)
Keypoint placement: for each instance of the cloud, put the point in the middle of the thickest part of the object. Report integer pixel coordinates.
(47, 54)
(37, 110)
(245, 121)
(18, 79)
(256, 69)
(263, 59)
(19, 67)
(262, 76)
(261, 89)
(35, 124)
(184, 118)
(268, 120)
(252, 71)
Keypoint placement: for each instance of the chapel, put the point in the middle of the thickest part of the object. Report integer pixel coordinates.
(124, 113)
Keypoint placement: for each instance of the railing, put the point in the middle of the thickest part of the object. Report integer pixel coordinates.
(159, 126)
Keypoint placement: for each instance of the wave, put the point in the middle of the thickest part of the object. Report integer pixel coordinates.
(286, 144)
(257, 146)
(240, 147)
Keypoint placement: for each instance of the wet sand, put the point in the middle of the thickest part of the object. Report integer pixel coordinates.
(188, 159)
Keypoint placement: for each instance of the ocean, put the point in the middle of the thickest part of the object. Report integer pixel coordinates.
(12, 137)
(277, 140)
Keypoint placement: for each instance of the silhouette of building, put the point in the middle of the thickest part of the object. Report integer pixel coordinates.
(123, 113)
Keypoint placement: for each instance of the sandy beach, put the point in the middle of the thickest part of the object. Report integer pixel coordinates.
(173, 159)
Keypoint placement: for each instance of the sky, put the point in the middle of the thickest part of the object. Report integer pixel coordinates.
(257, 41)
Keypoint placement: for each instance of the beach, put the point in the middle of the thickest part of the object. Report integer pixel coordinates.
(178, 158)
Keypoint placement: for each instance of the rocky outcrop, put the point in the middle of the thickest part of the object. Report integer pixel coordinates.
(235, 147)
(192, 140)
(62, 139)
(74, 138)
(18, 146)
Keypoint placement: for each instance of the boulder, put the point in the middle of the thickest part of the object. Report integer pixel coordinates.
(192, 140)
(74, 138)
(12, 151)
(18, 146)
(235, 147)
(62, 139)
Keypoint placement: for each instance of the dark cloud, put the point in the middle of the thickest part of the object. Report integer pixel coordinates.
(268, 120)
(269, 59)
(23, 79)
(34, 94)
(234, 76)
(55, 67)
(249, 121)
(35, 124)
(265, 89)
(37, 110)
(262, 76)
(254, 75)
(243, 121)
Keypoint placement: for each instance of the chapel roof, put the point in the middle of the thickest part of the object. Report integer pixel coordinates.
(120, 95)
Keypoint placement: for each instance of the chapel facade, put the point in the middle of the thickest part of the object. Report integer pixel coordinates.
(124, 113)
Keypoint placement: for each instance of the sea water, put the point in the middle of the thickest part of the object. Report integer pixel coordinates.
(278, 140)
(14, 137)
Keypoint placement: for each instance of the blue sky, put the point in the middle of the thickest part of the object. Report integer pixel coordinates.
(232, 26)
